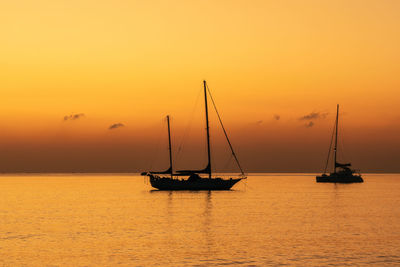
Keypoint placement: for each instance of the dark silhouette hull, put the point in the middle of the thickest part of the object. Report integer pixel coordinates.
(337, 178)
(163, 183)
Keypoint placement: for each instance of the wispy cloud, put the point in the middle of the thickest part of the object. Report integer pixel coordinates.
(310, 118)
(74, 116)
(259, 122)
(309, 124)
(314, 116)
(115, 126)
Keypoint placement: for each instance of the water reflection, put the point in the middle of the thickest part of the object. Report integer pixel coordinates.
(115, 220)
(207, 228)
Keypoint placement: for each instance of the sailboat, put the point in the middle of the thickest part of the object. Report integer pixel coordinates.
(168, 180)
(342, 173)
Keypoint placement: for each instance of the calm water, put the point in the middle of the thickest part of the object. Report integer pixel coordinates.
(108, 220)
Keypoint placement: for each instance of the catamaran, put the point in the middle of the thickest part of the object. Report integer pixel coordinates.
(341, 171)
(194, 181)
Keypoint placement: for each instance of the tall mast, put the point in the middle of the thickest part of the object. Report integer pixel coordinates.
(169, 147)
(336, 134)
(208, 131)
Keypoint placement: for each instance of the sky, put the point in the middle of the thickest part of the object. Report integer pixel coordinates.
(85, 85)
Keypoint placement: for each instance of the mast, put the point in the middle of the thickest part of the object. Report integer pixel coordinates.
(336, 134)
(169, 147)
(208, 131)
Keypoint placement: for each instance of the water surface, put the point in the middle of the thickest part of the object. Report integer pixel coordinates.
(109, 220)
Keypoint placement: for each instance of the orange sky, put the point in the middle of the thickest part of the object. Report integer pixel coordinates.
(133, 62)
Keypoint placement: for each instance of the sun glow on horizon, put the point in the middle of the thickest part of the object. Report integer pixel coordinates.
(268, 65)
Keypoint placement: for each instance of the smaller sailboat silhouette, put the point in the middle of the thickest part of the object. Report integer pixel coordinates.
(194, 181)
(341, 171)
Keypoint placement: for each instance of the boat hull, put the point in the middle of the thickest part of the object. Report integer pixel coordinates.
(339, 179)
(199, 184)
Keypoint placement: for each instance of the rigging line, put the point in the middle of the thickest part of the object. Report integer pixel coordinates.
(344, 157)
(188, 128)
(155, 157)
(148, 158)
(228, 162)
(330, 148)
(341, 143)
(223, 128)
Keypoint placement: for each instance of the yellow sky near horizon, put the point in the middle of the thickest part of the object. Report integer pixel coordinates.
(133, 62)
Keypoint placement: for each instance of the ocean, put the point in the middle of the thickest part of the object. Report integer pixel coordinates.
(267, 220)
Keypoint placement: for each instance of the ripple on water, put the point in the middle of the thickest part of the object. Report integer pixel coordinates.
(276, 220)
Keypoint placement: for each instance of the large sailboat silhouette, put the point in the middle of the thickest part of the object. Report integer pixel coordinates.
(194, 181)
(341, 171)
